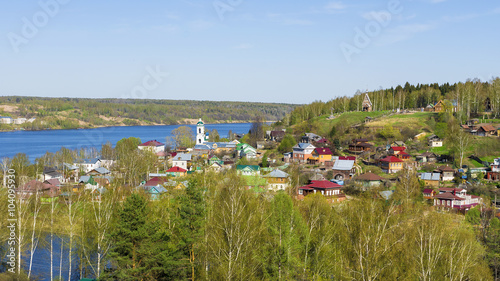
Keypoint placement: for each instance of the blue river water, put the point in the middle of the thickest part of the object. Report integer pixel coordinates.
(37, 143)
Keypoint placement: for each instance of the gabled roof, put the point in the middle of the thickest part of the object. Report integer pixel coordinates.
(303, 145)
(156, 181)
(101, 170)
(152, 143)
(398, 148)
(430, 176)
(248, 167)
(182, 157)
(277, 133)
(321, 185)
(176, 169)
(323, 151)
(428, 191)
(54, 182)
(403, 153)
(347, 158)
(202, 147)
(276, 174)
(88, 161)
(391, 159)
(448, 195)
(446, 169)
(369, 177)
(487, 127)
(343, 165)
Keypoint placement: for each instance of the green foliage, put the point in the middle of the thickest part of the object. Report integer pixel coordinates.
(183, 136)
(287, 143)
(473, 216)
(389, 133)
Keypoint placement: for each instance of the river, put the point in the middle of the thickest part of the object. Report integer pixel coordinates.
(36, 143)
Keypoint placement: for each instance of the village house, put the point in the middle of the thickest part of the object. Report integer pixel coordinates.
(320, 155)
(494, 174)
(343, 169)
(277, 180)
(181, 160)
(153, 146)
(429, 193)
(359, 145)
(447, 173)
(52, 173)
(87, 165)
(248, 170)
(369, 179)
(391, 164)
(431, 179)
(434, 141)
(275, 135)
(310, 137)
(438, 107)
(302, 152)
(101, 171)
(395, 150)
(246, 150)
(426, 157)
(154, 187)
(36, 188)
(176, 172)
(456, 198)
(6, 120)
(485, 130)
(330, 190)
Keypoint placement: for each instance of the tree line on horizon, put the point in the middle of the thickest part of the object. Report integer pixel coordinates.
(474, 97)
(166, 112)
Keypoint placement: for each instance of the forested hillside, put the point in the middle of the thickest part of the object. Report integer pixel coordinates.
(66, 113)
(473, 97)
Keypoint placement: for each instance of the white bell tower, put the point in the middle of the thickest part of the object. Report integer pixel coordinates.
(200, 132)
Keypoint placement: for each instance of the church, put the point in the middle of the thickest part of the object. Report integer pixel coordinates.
(203, 143)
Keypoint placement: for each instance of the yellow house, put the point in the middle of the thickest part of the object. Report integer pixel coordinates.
(321, 155)
(391, 164)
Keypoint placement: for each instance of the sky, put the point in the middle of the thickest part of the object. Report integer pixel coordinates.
(241, 50)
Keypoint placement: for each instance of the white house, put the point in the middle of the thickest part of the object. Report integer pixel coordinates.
(87, 165)
(181, 160)
(456, 198)
(435, 141)
(6, 120)
(19, 121)
(153, 145)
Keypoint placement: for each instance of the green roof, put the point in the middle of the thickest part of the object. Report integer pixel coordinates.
(252, 167)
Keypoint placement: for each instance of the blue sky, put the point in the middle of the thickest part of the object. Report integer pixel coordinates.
(241, 50)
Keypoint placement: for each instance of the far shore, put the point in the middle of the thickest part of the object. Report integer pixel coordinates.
(184, 122)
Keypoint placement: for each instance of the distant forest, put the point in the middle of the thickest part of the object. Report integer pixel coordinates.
(79, 112)
(474, 98)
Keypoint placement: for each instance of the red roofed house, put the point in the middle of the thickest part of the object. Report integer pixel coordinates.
(391, 164)
(395, 150)
(347, 158)
(429, 193)
(153, 145)
(321, 155)
(456, 198)
(329, 189)
(404, 156)
(176, 171)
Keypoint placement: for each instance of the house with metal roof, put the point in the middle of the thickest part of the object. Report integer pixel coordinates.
(182, 160)
(277, 180)
(248, 170)
(431, 179)
(369, 180)
(343, 169)
(302, 152)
